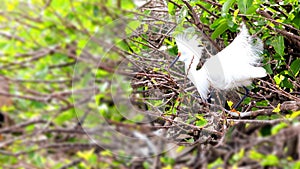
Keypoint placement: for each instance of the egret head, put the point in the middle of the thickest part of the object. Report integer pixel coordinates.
(188, 48)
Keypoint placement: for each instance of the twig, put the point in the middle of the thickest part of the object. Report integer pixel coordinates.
(199, 26)
(237, 121)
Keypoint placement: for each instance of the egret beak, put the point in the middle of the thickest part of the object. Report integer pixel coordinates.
(174, 61)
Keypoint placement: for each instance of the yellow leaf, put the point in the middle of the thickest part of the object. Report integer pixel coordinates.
(11, 5)
(230, 104)
(156, 69)
(277, 109)
(295, 114)
(154, 81)
(85, 154)
(236, 12)
(106, 153)
(180, 149)
(167, 167)
(235, 166)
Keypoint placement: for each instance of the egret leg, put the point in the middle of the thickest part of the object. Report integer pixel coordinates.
(243, 98)
(208, 100)
(196, 96)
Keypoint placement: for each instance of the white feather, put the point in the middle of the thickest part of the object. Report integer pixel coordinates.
(188, 47)
(234, 66)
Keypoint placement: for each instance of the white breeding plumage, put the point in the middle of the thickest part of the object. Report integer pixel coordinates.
(235, 66)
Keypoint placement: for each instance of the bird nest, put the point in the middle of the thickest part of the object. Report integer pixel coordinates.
(183, 118)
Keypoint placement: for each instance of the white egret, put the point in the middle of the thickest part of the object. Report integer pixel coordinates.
(235, 66)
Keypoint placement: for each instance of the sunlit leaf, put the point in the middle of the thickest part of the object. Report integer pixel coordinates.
(277, 109)
(220, 29)
(270, 160)
(107, 153)
(296, 165)
(230, 104)
(295, 114)
(278, 79)
(171, 8)
(127, 4)
(201, 121)
(215, 164)
(167, 160)
(244, 5)
(85, 154)
(268, 68)
(167, 167)
(146, 165)
(252, 9)
(64, 117)
(132, 26)
(235, 14)
(278, 127)
(295, 67)
(180, 149)
(296, 20)
(255, 155)
(262, 103)
(278, 44)
(226, 6)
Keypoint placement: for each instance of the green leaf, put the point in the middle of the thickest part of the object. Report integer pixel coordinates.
(217, 22)
(180, 149)
(219, 30)
(252, 9)
(296, 165)
(29, 128)
(238, 156)
(64, 117)
(262, 103)
(278, 127)
(296, 20)
(216, 163)
(146, 165)
(106, 153)
(201, 121)
(255, 155)
(278, 79)
(132, 26)
(278, 44)
(171, 8)
(266, 130)
(286, 83)
(268, 69)
(167, 160)
(226, 7)
(270, 160)
(128, 4)
(295, 67)
(244, 5)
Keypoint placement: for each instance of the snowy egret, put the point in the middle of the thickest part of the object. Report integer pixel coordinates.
(235, 66)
